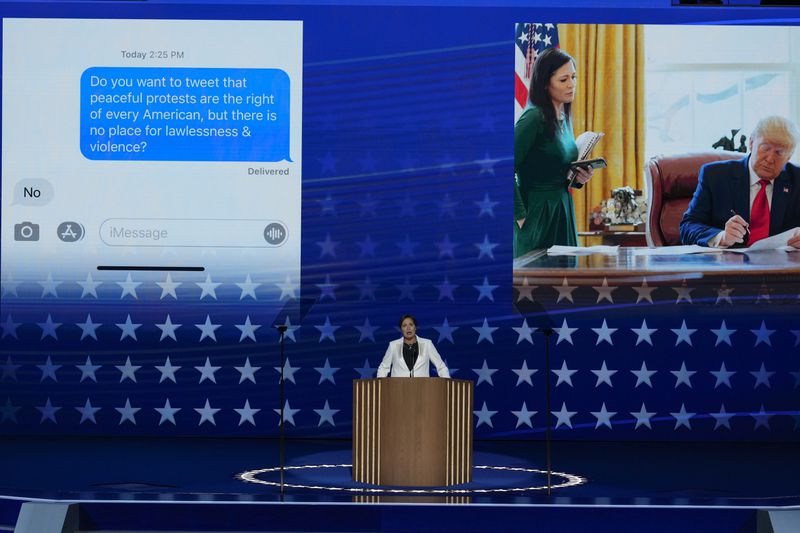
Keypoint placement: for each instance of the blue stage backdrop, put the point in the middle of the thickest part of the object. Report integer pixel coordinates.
(407, 208)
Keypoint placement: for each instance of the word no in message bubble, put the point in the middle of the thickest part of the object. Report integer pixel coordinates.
(185, 114)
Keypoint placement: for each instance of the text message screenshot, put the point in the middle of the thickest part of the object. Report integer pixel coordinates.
(152, 144)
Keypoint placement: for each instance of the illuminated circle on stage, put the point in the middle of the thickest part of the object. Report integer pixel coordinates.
(567, 480)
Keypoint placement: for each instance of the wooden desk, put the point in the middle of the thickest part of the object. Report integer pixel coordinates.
(579, 280)
(537, 265)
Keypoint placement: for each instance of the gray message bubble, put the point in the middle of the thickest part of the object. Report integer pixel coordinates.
(33, 191)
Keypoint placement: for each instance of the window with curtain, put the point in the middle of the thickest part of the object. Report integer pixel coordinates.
(703, 81)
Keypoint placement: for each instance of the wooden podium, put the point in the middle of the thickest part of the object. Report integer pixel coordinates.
(412, 431)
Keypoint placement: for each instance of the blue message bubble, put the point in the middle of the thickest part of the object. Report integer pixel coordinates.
(185, 114)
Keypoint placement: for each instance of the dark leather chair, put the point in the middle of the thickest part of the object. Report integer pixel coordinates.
(670, 182)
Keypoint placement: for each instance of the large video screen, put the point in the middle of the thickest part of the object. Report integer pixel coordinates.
(178, 180)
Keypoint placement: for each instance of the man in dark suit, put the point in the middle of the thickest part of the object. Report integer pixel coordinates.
(742, 202)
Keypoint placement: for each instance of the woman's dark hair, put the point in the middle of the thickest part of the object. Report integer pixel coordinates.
(546, 64)
(414, 320)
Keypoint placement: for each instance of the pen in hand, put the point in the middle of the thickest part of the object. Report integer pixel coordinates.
(746, 228)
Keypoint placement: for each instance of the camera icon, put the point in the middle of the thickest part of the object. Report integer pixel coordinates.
(26, 231)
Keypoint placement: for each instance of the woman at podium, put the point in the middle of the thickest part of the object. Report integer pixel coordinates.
(411, 356)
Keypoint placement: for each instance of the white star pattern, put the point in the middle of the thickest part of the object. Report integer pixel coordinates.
(445, 331)
(604, 292)
(563, 416)
(484, 416)
(88, 370)
(643, 417)
(367, 331)
(207, 330)
(565, 291)
(49, 286)
(248, 329)
(723, 334)
(524, 332)
(128, 371)
(683, 376)
(524, 416)
(603, 417)
(288, 371)
(290, 329)
(564, 374)
(48, 411)
(129, 288)
(288, 289)
(248, 372)
(127, 413)
(524, 374)
(288, 413)
(207, 372)
(565, 332)
(684, 334)
(644, 292)
(208, 288)
(484, 374)
(643, 375)
(485, 290)
(762, 334)
(604, 333)
(88, 328)
(722, 418)
(327, 330)
(248, 289)
(247, 413)
(207, 414)
(128, 329)
(604, 375)
(326, 414)
(723, 376)
(49, 328)
(762, 377)
(87, 412)
(168, 287)
(326, 372)
(643, 334)
(682, 418)
(89, 287)
(167, 371)
(761, 418)
(49, 370)
(10, 328)
(167, 413)
(168, 329)
(525, 291)
(485, 332)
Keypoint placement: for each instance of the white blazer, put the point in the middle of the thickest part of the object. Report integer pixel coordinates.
(427, 353)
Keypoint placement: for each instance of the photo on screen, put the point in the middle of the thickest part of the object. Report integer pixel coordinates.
(641, 109)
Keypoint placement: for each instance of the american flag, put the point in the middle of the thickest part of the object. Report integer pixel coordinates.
(531, 39)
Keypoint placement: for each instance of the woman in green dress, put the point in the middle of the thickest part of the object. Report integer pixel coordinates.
(544, 147)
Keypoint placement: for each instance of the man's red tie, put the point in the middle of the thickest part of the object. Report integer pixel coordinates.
(759, 215)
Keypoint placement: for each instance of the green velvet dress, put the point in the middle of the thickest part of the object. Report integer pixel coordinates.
(541, 195)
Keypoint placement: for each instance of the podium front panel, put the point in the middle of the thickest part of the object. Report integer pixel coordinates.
(412, 431)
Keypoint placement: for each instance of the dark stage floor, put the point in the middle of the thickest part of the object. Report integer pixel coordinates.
(744, 475)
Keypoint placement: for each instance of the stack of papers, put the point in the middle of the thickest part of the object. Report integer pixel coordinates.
(678, 250)
(776, 242)
(582, 250)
